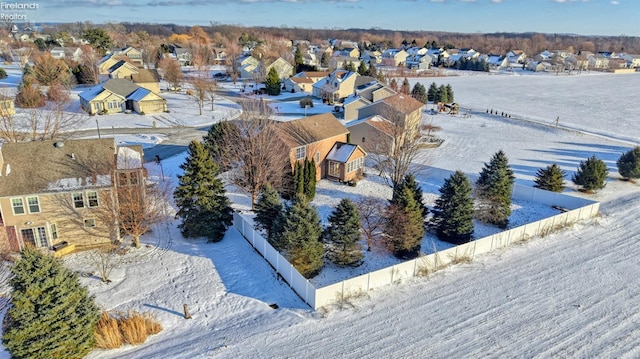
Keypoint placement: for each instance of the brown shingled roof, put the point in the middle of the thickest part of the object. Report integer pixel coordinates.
(145, 75)
(33, 167)
(310, 129)
(403, 103)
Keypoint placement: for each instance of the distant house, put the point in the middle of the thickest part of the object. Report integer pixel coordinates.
(365, 95)
(52, 192)
(122, 70)
(420, 62)
(535, 66)
(496, 62)
(107, 62)
(71, 53)
(282, 66)
(340, 62)
(347, 52)
(339, 85)
(369, 56)
(516, 57)
(7, 106)
(303, 81)
(121, 95)
(394, 57)
(183, 55)
(134, 55)
(323, 139)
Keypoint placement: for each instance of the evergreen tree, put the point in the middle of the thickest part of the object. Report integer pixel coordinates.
(201, 198)
(372, 70)
(419, 92)
(343, 235)
(591, 174)
(299, 232)
(432, 93)
(629, 163)
(493, 190)
(450, 97)
(51, 314)
(550, 178)
(349, 66)
(272, 82)
(267, 209)
(406, 87)
(214, 139)
(324, 60)
(362, 69)
(409, 182)
(442, 95)
(453, 210)
(309, 189)
(404, 225)
(393, 85)
(297, 57)
(3, 74)
(298, 178)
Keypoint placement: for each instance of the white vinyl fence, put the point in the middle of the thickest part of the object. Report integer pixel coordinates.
(576, 209)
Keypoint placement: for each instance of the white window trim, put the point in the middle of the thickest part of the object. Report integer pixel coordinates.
(73, 198)
(303, 151)
(37, 202)
(13, 208)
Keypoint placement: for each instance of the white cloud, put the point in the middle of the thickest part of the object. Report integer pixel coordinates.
(614, 2)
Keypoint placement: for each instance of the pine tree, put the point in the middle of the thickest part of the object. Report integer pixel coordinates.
(324, 60)
(214, 139)
(372, 70)
(362, 69)
(299, 232)
(419, 92)
(629, 163)
(51, 314)
(297, 57)
(591, 174)
(409, 182)
(550, 178)
(406, 86)
(393, 85)
(443, 95)
(309, 189)
(272, 82)
(343, 235)
(267, 209)
(432, 94)
(349, 66)
(493, 190)
(453, 210)
(450, 97)
(404, 225)
(201, 198)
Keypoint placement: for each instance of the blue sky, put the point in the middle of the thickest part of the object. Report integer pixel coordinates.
(586, 17)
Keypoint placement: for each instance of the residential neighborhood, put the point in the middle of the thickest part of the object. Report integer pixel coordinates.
(205, 187)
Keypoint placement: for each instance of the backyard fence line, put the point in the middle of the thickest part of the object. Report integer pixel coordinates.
(575, 209)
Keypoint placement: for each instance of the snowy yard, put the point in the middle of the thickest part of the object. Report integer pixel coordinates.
(571, 294)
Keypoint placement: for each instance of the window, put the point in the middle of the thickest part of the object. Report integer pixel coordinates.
(54, 231)
(301, 152)
(317, 158)
(78, 200)
(334, 169)
(122, 179)
(18, 205)
(34, 206)
(133, 178)
(355, 165)
(128, 178)
(92, 198)
(89, 222)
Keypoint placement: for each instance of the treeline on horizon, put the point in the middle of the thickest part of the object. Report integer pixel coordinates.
(493, 43)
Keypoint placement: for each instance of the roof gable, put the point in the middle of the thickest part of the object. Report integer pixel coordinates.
(310, 129)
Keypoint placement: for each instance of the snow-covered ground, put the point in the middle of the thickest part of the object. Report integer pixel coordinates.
(569, 294)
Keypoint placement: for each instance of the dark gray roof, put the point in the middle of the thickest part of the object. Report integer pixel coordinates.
(120, 87)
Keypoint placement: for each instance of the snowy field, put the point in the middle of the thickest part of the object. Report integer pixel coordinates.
(572, 294)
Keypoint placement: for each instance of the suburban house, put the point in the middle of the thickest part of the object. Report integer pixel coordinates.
(282, 66)
(134, 55)
(516, 57)
(339, 62)
(121, 95)
(339, 85)
(54, 193)
(369, 56)
(420, 62)
(347, 52)
(105, 63)
(149, 79)
(183, 55)
(252, 68)
(323, 139)
(371, 133)
(61, 53)
(394, 57)
(303, 81)
(365, 95)
(398, 108)
(7, 106)
(122, 70)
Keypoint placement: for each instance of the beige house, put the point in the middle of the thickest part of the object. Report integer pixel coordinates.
(121, 95)
(303, 81)
(338, 85)
(105, 63)
(149, 79)
(371, 132)
(122, 70)
(323, 139)
(7, 106)
(365, 95)
(53, 193)
(398, 108)
(394, 57)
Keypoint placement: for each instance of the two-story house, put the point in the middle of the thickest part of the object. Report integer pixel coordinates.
(52, 192)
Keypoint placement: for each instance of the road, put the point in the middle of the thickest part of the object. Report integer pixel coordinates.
(176, 141)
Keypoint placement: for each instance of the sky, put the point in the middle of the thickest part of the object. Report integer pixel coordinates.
(584, 17)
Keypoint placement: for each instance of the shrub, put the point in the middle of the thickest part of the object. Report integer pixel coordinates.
(133, 327)
(29, 97)
(3, 74)
(306, 102)
(125, 328)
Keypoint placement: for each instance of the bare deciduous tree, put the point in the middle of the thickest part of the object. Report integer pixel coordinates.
(252, 150)
(171, 71)
(371, 210)
(49, 71)
(105, 260)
